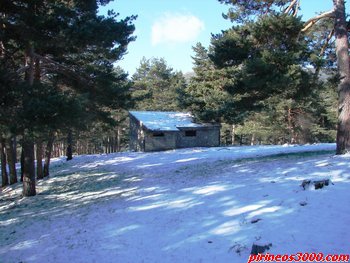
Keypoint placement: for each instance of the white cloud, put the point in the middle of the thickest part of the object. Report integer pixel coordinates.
(176, 28)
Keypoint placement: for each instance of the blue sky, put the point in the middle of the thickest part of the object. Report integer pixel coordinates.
(169, 28)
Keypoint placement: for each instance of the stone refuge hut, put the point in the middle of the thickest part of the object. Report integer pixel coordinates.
(158, 131)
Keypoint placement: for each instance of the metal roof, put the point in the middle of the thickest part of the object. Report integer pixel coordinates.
(166, 120)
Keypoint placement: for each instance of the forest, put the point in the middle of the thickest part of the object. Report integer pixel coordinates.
(271, 78)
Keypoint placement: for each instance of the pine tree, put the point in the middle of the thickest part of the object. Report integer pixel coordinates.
(155, 85)
(245, 11)
(4, 175)
(254, 74)
(343, 61)
(266, 59)
(205, 95)
(69, 53)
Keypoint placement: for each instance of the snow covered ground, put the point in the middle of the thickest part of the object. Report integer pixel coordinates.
(190, 205)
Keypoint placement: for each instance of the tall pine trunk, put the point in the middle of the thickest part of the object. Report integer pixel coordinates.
(233, 134)
(28, 167)
(48, 152)
(292, 135)
(11, 160)
(39, 143)
(39, 160)
(118, 138)
(69, 151)
(342, 51)
(252, 140)
(22, 164)
(27, 141)
(4, 175)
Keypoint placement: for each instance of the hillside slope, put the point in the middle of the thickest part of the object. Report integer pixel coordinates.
(190, 205)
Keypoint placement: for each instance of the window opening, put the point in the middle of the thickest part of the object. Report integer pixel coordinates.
(158, 134)
(190, 133)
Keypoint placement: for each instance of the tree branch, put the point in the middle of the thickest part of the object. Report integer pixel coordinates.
(64, 70)
(295, 13)
(323, 49)
(22, 69)
(290, 7)
(2, 50)
(314, 20)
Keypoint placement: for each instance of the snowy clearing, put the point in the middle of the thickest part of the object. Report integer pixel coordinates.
(190, 205)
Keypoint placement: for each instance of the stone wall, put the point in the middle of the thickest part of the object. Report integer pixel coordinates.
(160, 141)
(145, 140)
(136, 142)
(203, 137)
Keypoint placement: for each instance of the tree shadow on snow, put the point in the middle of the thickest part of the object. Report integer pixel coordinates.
(207, 211)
